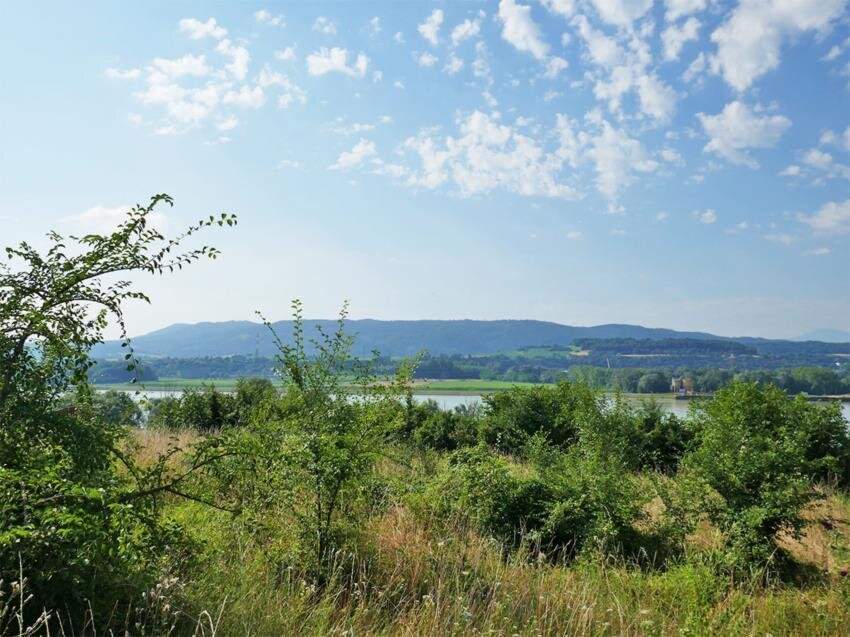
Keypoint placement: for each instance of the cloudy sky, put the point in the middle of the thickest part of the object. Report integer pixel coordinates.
(676, 163)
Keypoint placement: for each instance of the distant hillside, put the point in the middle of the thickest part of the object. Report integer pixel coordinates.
(826, 335)
(391, 338)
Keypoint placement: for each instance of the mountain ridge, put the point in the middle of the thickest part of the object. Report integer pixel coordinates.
(393, 337)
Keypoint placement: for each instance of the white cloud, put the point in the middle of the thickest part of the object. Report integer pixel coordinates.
(239, 58)
(832, 218)
(426, 59)
(662, 216)
(335, 60)
(245, 97)
(485, 156)
(228, 123)
(554, 66)
(737, 128)
(520, 30)
(453, 65)
(836, 50)
(818, 252)
(750, 40)
(622, 71)
(399, 37)
(656, 98)
(195, 65)
(783, 238)
(290, 93)
(430, 29)
(679, 8)
(574, 235)
(286, 54)
(616, 157)
(706, 216)
(324, 25)
(122, 74)
(818, 159)
(399, 85)
(465, 30)
(341, 128)
(198, 30)
(481, 64)
(695, 68)
(165, 131)
(565, 8)
(218, 141)
(374, 25)
(288, 163)
(792, 170)
(602, 50)
(674, 37)
(264, 17)
(184, 106)
(621, 13)
(671, 156)
(363, 150)
(102, 219)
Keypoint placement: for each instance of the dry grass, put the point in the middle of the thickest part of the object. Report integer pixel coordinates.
(415, 576)
(150, 444)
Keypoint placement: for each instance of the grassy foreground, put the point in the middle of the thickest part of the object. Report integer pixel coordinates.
(418, 576)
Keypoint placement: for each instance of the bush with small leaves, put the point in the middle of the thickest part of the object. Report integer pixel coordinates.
(752, 449)
(77, 514)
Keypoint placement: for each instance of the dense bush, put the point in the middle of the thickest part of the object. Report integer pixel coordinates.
(657, 439)
(514, 415)
(754, 448)
(564, 503)
(117, 408)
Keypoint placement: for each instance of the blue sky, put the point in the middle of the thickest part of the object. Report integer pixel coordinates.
(677, 163)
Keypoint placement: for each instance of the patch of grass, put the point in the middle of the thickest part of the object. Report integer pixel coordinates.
(465, 386)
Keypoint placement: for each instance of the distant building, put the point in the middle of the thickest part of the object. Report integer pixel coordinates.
(683, 386)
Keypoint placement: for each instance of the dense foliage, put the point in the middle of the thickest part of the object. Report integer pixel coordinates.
(78, 516)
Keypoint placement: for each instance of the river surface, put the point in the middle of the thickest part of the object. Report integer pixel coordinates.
(450, 401)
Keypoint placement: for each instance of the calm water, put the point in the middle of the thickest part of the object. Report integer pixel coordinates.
(450, 401)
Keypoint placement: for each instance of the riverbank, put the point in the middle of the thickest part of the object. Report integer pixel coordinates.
(425, 387)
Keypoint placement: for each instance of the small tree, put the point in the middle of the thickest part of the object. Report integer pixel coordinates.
(751, 448)
(337, 419)
(77, 526)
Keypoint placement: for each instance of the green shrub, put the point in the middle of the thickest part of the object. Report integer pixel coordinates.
(77, 516)
(751, 448)
(568, 502)
(657, 439)
(117, 408)
(514, 415)
(446, 431)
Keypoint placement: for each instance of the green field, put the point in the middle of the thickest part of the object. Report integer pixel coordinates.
(173, 384)
(459, 386)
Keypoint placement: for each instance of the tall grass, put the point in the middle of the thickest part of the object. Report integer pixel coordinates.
(411, 576)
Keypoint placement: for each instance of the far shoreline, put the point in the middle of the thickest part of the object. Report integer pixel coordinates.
(443, 387)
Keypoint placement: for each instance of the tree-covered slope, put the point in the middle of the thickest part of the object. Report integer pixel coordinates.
(391, 338)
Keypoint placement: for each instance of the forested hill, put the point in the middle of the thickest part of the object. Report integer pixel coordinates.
(391, 338)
